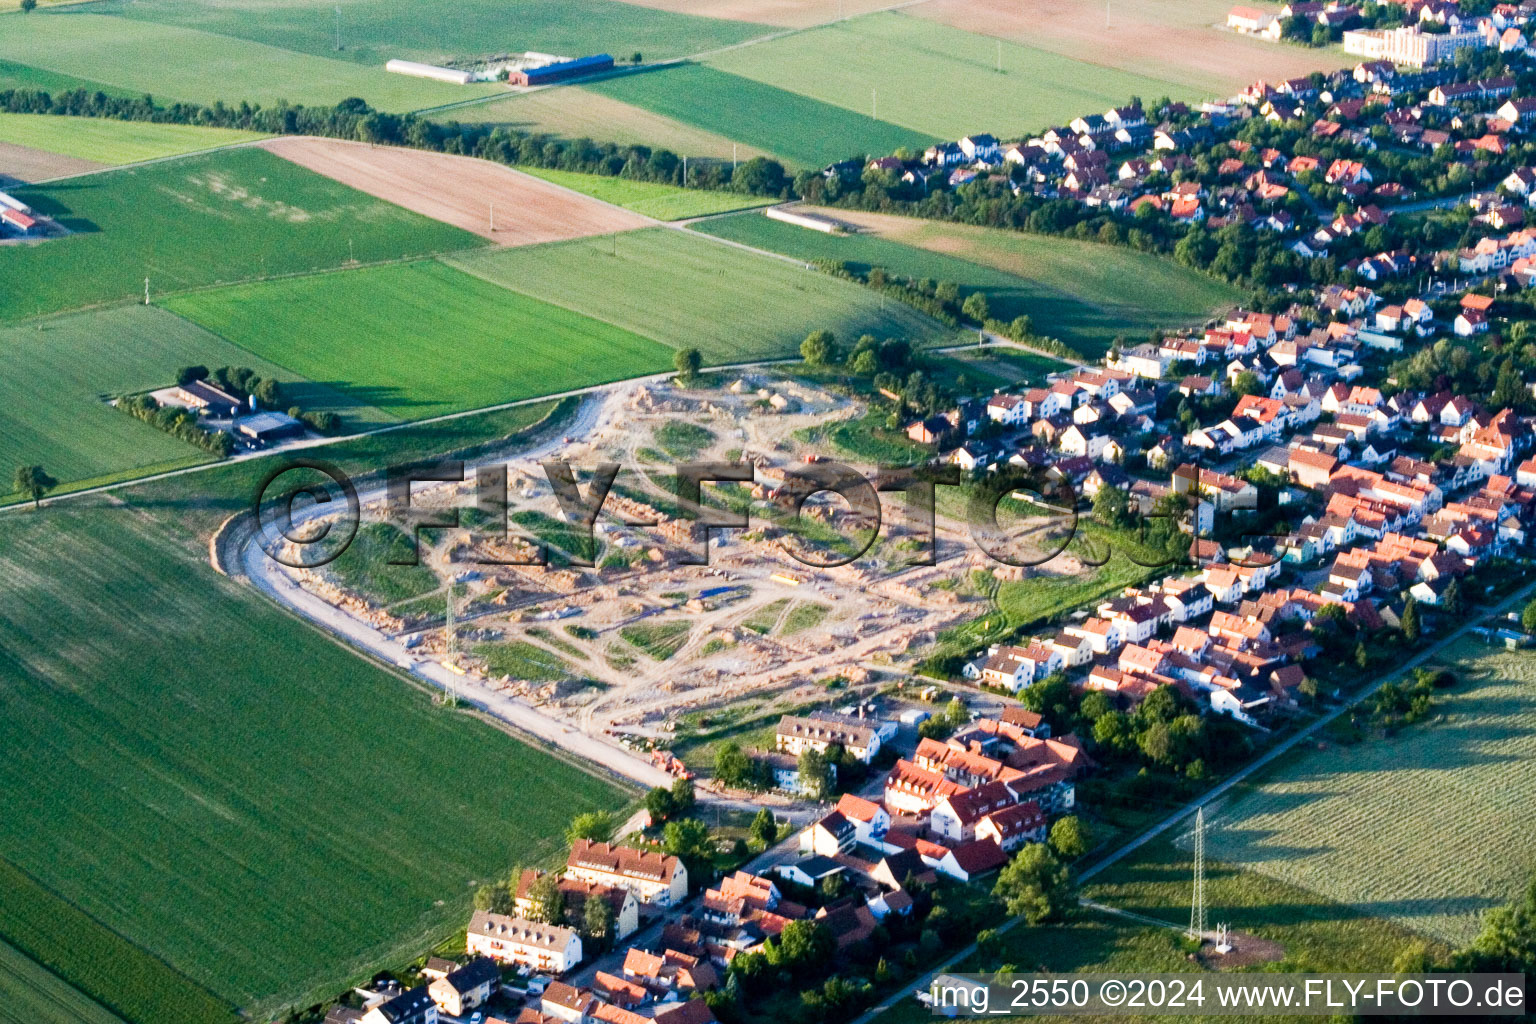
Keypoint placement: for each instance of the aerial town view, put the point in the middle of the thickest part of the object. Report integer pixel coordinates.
(758, 511)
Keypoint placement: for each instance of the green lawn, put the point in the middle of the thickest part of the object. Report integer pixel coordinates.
(174, 63)
(664, 202)
(421, 339)
(937, 80)
(685, 291)
(1463, 787)
(373, 31)
(660, 640)
(226, 788)
(1081, 292)
(31, 995)
(522, 660)
(202, 220)
(113, 142)
(58, 370)
(798, 128)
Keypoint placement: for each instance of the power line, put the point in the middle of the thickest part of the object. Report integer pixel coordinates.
(1197, 904)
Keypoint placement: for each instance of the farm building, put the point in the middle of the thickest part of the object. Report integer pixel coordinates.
(18, 222)
(561, 70)
(17, 216)
(199, 396)
(270, 426)
(432, 71)
(803, 220)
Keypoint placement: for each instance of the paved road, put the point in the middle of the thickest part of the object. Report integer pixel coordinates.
(1254, 766)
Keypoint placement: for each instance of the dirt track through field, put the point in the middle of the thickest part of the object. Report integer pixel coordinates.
(25, 164)
(460, 191)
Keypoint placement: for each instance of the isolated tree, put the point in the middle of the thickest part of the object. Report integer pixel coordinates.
(731, 765)
(546, 899)
(1410, 619)
(764, 829)
(801, 944)
(34, 482)
(688, 840)
(865, 363)
(817, 348)
(597, 917)
(1069, 837)
(1021, 328)
(28, 6)
(1453, 599)
(594, 825)
(188, 374)
(976, 307)
(494, 897)
(1528, 617)
(815, 773)
(658, 804)
(1033, 884)
(1111, 507)
(683, 796)
(1247, 383)
(688, 361)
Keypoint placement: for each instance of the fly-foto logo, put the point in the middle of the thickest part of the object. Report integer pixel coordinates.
(309, 513)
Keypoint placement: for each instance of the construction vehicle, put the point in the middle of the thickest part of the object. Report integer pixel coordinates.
(664, 760)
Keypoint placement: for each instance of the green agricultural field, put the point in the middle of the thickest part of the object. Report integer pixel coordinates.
(1006, 366)
(1315, 934)
(687, 291)
(373, 31)
(946, 81)
(213, 779)
(15, 75)
(577, 113)
(59, 370)
(97, 961)
(664, 202)
(173, 63)
(1468, 777)
(113, 142)
(421, 339)
(31, 995)
(202, 220)
(1081, 292)
(800, 129)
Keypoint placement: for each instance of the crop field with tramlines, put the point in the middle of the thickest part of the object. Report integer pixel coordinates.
(202, 220)
(219, 762)
(378, 334)
(730, 304)
(1430, 827)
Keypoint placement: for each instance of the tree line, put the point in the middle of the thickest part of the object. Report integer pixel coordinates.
(354, 119)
